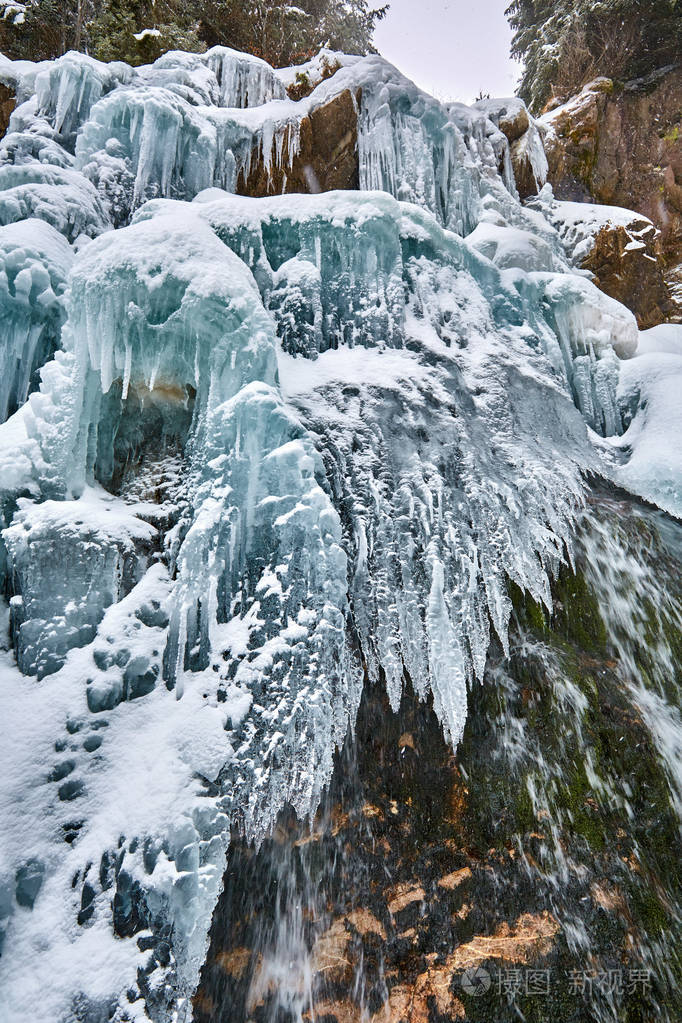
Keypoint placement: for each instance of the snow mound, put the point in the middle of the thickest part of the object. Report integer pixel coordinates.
(649, 391)
(578, 223)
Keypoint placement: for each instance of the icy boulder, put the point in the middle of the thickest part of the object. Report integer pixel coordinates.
(511, 247)
(591, 335)
(67, 89)
(329, 281)
(165, 303)
(527, 152)
(145, 142)
(69, 560)
(60, 196)
(649, 392)
(164, 324)
(35, 261)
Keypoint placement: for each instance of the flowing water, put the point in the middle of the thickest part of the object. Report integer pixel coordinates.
(545, 855)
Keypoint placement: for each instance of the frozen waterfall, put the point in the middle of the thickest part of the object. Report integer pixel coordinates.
(255, 452)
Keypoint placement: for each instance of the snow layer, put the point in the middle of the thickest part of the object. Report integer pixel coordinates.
(649, 391)
(578, 223)
(282, 443)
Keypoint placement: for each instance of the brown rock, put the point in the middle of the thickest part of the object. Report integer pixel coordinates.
(622, 145)
(630, 272)
(531, 936)
(327, 157)
(365, 923)
(342, 1012)
(369, 810)
(403, 895)
(8, 102)
(609, 897)
(452, 881)
(514, 123)
(409, 1003)
(671, 189)
(330, 953)
(524, 175)
(235, 961)
(406, 740)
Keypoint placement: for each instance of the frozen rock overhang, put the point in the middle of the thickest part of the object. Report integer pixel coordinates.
(282, 443)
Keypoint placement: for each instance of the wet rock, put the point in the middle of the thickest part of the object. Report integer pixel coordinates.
(331, 958)
(455, 879)
(404, 895)
(548, 848)
(235, 962)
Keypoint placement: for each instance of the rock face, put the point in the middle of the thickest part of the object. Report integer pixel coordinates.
(630, 272)
(327, 158)
(622, 145)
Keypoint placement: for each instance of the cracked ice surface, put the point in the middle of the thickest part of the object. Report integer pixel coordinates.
(280, 443)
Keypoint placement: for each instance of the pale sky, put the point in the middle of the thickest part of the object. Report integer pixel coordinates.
(453, 49)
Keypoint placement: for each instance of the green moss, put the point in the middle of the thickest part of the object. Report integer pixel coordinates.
(572, 796)
(529, 614)
(647, 910)
(523, 815)
(577, 616)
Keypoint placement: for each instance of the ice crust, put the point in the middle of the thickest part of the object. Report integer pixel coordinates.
(262, 448)
(35, 261)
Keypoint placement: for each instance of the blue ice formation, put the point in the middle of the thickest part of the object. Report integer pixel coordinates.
(255, 451)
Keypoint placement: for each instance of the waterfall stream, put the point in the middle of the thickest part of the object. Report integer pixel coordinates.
(546, 855)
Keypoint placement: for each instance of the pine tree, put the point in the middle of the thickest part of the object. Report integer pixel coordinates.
(285, 32)
(113, 33)
(281, 31)
(563, 45)
(48, 28)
